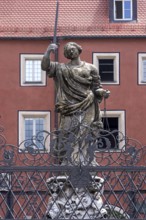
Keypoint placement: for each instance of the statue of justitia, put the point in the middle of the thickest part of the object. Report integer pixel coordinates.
(78, 86)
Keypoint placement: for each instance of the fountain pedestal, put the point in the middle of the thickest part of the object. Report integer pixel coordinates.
(69, 202)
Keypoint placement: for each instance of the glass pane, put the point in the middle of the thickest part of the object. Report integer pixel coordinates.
(127, 9)
(127, 5)
(28, 128)
(118, 11)
(39, 124)
(32, 127)
(144, 70)
(39, 127)
(33, 71)
(127, 14)
(37, 70)
(29, 71)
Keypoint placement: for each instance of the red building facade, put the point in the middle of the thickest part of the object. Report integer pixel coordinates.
(112, 34)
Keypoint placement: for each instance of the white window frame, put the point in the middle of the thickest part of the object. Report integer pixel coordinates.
(23, 59)
(115, 57)
(141, 57)
(33, 114)
(123, 19)
(121, 125)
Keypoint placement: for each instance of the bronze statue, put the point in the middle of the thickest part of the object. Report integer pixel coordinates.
(78, 86)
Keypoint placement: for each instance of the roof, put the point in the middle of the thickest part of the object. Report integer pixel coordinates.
(35, 18)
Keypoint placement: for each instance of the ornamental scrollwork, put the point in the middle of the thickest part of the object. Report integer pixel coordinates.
(62, 147)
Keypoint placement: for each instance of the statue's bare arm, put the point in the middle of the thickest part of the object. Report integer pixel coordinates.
(46, 58)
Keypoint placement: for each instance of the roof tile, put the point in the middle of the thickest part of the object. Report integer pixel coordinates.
(35, 18)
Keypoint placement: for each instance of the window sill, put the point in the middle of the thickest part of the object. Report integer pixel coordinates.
(123, 21)
(39, 83)
(142, 83)
(110, 83)
(33, 151)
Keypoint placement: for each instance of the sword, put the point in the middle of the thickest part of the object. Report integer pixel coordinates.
(56, 22)
(56, 51)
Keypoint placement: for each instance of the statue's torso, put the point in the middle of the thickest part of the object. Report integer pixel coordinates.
(74, 86)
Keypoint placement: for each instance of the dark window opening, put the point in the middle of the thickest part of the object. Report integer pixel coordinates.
(119, 13)
(109, 139)
(106, 70)
(110, 123)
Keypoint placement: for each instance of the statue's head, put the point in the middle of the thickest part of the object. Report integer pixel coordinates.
(72, 50)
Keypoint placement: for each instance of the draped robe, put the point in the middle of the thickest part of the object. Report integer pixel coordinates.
(76, 88)
(76, 91)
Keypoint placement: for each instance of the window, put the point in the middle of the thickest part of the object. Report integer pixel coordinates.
(30, 124)
(31, 73)
(142, 68)
(113, 121)
(32, 127)
(108, 67)
(123, 10)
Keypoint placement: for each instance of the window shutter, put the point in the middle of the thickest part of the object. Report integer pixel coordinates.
(111, 10)
(134, 9)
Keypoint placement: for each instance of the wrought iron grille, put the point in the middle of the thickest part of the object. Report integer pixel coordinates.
(108, 184)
